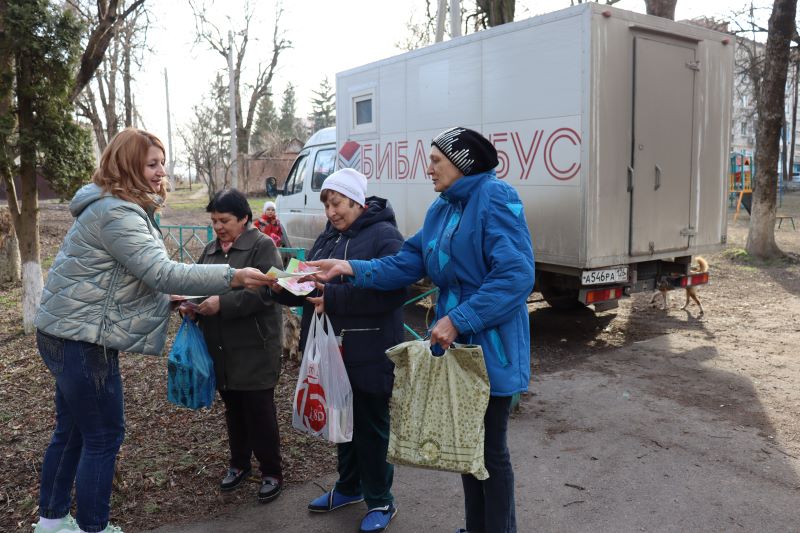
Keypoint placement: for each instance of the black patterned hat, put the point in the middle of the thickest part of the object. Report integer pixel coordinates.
(468, 150)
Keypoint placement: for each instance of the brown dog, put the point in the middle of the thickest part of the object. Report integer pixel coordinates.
(691, 292)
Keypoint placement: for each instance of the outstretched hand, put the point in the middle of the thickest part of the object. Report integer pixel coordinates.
(330, 268)
(249, 278)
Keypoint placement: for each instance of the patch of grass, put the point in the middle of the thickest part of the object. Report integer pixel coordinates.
(738, 255)
(199, 204)
(7, 301)
(741, 257)
(189, 204)
(47, 262)
(257, 204)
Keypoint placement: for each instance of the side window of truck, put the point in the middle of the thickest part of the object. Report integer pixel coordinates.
(323, 166)
(294, 181)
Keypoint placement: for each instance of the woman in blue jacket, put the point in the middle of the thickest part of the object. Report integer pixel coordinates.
(368, 322)
(475, 246)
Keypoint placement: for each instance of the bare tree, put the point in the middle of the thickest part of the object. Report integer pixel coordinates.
(761, 234)
(606, 2)
(207, 138)
(789, 152)
(419, 33)
(109, 14)
(210, 34)
(494, 12)
(661, 8)
(107, 100)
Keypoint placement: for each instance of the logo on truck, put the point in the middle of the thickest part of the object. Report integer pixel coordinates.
(546, 154)
(350, 155)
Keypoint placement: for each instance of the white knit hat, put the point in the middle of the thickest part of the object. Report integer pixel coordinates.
(348, 182)
(267, 204)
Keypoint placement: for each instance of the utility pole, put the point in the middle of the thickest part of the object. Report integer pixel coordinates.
(171, 164)
(455, 19)
(232, 104)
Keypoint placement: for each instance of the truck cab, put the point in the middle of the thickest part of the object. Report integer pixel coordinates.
(298, 205)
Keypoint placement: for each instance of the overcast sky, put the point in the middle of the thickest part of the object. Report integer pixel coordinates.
(328, 36)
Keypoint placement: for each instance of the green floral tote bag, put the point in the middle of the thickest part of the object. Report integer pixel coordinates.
(437, 408)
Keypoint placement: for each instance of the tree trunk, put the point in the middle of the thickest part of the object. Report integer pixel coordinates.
(26, 221)
(126, 83)
(88, 106)
(784, 145)
(243, 143)
(661, 8)
(9, 249)
(761, 235)
(98, 42)
(794, 120)
(6, 100)
(497, 11)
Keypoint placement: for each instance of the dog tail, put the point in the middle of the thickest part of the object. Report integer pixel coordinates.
(702, 264)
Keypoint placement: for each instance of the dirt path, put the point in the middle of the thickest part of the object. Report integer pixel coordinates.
(599, 447)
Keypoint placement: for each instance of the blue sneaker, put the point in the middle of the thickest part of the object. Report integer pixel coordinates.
(332, 500)
(378, 519)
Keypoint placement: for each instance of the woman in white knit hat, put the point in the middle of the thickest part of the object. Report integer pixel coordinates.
(369, 321)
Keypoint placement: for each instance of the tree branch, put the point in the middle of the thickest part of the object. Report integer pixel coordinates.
(98, 42)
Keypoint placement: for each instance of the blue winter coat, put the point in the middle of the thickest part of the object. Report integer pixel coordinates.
(476, 247)
(369, 321)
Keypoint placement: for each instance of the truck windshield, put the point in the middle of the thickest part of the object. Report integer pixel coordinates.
(294, 181)
(323, 166)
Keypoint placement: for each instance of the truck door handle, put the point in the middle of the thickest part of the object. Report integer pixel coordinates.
(658, 177)
(630, 178)
(295, 210)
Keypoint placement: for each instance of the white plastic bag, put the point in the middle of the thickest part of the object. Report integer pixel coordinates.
(323, 398)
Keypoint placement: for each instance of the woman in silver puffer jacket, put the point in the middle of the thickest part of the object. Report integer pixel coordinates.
(108, 291)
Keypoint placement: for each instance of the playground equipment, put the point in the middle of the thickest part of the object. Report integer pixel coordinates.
(740, 181)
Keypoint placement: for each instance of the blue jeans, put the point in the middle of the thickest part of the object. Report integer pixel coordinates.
(489, 503)
(90, 427)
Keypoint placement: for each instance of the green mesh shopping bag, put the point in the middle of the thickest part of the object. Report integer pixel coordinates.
(437, 408)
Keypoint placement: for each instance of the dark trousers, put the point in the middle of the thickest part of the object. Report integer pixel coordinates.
(253, 429)
(490, 503)
(362, 462)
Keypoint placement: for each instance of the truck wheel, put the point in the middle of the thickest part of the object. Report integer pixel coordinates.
(562, 299)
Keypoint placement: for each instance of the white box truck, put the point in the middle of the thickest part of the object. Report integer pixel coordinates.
(613, 126)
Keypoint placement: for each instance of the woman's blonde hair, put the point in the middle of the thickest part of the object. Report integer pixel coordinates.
(121, 170)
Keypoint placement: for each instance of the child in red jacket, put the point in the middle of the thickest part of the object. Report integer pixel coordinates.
(268, 223)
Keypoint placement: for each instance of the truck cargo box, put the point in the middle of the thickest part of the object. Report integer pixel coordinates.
(613, 126)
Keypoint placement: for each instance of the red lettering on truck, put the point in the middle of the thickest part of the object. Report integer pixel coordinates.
(516, 151)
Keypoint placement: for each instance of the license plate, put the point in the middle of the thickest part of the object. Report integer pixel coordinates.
(606, 275)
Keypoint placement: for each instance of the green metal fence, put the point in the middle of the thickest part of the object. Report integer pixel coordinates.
(186, 244)
(413, 300)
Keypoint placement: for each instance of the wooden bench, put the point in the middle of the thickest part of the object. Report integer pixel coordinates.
(781, 218)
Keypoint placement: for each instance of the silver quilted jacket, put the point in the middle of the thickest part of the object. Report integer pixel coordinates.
(110, 281)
